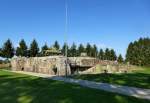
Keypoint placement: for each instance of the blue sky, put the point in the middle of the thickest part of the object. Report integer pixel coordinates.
(107, 23)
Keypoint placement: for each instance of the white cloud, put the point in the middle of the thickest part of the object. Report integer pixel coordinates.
(16, 45)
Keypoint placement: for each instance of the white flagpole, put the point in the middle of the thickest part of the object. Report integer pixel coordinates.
(66, 32)
(66, 27)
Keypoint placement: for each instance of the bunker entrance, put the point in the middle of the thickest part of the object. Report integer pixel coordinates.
(77, 69)
(22, 69)
(55, 70)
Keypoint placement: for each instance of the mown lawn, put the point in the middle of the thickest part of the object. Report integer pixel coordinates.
(19, 88)
(139, 78)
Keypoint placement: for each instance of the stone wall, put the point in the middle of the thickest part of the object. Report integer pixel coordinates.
(56, 65)
(4, 65)
(83, 61)
(53, 65)
(108, 67)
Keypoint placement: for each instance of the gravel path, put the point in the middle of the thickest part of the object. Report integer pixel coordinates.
(125, 90)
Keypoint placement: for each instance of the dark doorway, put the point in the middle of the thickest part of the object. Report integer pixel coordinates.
(55, 71)
(76, 69)
(22, 69)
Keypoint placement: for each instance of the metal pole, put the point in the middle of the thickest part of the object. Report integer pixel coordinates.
(66, 32)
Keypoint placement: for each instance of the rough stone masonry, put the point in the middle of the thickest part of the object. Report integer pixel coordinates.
(60, 65)
(53, 65)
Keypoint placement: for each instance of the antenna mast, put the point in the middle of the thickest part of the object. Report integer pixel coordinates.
(66, 32)
(66, 27)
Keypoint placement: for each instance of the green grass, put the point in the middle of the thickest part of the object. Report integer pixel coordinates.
(145, 70)
(139, 78)
(19, 88)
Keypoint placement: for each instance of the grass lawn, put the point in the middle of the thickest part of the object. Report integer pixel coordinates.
(140, 78)
(19, 88)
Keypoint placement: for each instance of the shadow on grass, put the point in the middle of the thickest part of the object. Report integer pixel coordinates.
(16, 88)
(140, 80)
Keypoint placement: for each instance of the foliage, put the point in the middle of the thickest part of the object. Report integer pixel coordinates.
(8, 50)
(88, 49)
(63, 50)
(107, 54)
(113, 56)
(43, 49)
(138, 52)
(110, 54)
(94, 51)
(22, 49)
(120, 59)
(34, 49)
(73, 50)
(56, 45)
(81, 49)
(101, 54)
(1, 53)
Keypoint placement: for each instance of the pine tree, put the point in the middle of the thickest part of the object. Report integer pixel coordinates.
(43, 49)
(8, 50)
(107, 54)
(56, 45)
(113, 56)
(22, 49)
(1, 52)
(88, 49)
(63, 50)
(138, 52)
(101, 54)
(94, 51)
(81, 49)
(129, 53)
(34, 49)
(120, 59)
(73, 51)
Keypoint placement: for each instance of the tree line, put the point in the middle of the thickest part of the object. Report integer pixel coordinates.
(8, 51)
(138, 52)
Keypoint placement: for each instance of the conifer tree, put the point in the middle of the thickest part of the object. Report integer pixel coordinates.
(63, 50)
(8, 50)
(120, 59)
(81, 49)
(22, 49)
(34, 49)
(1, 52)
(107, 54)
(73, 50)
(94, 51)
(113, 56)
(138, 52)
(56, 45)
(43, 49)
(101, 54)
(88, 49)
